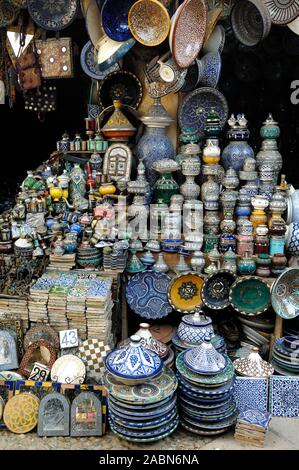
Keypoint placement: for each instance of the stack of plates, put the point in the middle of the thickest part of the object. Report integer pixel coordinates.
(285, 356)
(206, 402)
(99, 306)
(145, 412)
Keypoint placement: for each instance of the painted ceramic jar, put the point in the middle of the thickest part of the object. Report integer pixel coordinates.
(198, 261)
(245, 245)
(263, 265)
(227, 242)
(190, 169)
(270, 128)
(230, 180)
(210, 191)
(154, 144)
(210, 241)
(292, 239)
(235, 153)
(246, 265)
(193, 328)
(261, 244)
(165, 186)
(211, 222)
(244, 226)
(228, 199)
(70, 242)
(277, 245)
(230, 261)
(58, 246)
(270, 155)
(258, 217)
(262, 230)
(279, 260)
(227, 224)
(211, 152)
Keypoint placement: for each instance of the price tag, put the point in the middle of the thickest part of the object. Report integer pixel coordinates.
(68, 338)
(39, 372)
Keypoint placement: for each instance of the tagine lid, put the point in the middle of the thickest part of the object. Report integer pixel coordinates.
(133, 361)
(156, 115)
(198, 318)
(205, 359)
(118, 120)
(253, 365)
(150, 342)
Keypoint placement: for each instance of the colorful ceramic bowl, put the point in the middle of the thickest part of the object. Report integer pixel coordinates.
(123, 86)
(115, 19)
(285, 294)
(189, 27)
(250, 295)
(149, 22)
(210, 69)
(184, 292)
(215, 289)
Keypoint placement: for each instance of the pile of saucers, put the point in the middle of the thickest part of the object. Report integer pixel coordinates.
(206, 383)
(142, 400)
(285, 356)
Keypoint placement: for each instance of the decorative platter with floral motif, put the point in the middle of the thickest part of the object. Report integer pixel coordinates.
(53, 15)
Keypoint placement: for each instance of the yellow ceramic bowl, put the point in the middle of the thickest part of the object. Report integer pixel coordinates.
(107, 188)
(210, 160)
(149, 22)
(184, 292)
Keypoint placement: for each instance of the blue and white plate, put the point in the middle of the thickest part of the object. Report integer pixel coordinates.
(115, 19)
(144, 434)
(140, 407)
(285, 294)
(53, 15)
(146, 294)
(197, 105)
(89, 65)
(154, 423)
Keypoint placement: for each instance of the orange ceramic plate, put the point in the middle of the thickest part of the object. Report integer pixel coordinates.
(149, 22)
(184, 292)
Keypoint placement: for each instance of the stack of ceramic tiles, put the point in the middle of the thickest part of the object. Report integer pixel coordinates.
(38, 298)
(99, 309)
(4, 306)
(142, 394)
(206, 386)
(16, 309)
(252, 427)
(62, 263)
(76, 306)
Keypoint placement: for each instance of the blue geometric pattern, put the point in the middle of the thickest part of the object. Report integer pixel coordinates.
(251, 393)
(284, 396)
(256, 417)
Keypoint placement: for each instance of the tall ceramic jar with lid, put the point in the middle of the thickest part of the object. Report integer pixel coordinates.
(236, 152)
(269, 158)
(190, 169)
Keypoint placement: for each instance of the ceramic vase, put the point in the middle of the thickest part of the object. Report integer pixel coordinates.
(236, 152)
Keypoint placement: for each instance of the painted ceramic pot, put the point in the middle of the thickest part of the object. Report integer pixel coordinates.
(204, 359)
(246, 265)
(238, 150)
(250, 295)
(154, 144)
(292, 238)
(133, 364)
(194, 328)
(253, 365)
(230, 180)
(115, 19)
(211, 152)
(149, 22)
(269, 154)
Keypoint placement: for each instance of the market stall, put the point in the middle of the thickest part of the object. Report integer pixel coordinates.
(149, 265)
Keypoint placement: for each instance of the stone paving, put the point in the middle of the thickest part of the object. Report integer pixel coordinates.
(283, 435)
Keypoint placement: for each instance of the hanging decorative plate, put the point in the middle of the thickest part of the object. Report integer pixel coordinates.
(89, 65)
(115, 19)
(109, 52)
(282, 11)
(250, 295)
(53, 15)
(68, 369)
(225, 5)
(210, 69)
(189, 27)
(8, 13)
(146, 294)
(197, 105)
(184, 292)
(149, 22)
(153, 391)
(21, 413)
(93, 21)
(41, 331)
(215, 289)
(285, 294)
(251, 21)
(123, 86)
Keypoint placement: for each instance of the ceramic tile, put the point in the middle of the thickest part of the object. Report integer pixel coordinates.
(284, 397)
(255, 417)
(251, 393)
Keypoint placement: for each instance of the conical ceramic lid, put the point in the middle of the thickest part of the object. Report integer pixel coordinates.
(205, 359)
(149, 342)
(197, 319)
(253, 365)
(118, 120)
(156, 116)
(133, 361)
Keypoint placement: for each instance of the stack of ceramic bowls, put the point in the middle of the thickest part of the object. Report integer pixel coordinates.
(285, 356)
(142, 394)
(206, 385)
(192, 331)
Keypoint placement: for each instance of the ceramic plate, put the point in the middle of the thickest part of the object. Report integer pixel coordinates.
(201, 432)
(8, 13)
(137, 408)
(146, 294)
(146, 425)
(219, 379)
(184, 292)
(196, 106)
(10, 375)
(215, 289)
(54, 15)
(285, 294)
(123, 86)
(149, 22)
(139, 417)
(115, 19)
(153, 391)
(250, 295)
(89, 65)
(21, 413)
(251, 21)
(68, 369)
(145, 439)
(189, 29)
(282, 11)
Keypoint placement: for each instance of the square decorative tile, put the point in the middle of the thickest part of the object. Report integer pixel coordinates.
(251, 393)
(284, 396)
(255, 418)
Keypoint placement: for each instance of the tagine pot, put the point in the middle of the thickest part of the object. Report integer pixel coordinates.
(194, 328)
